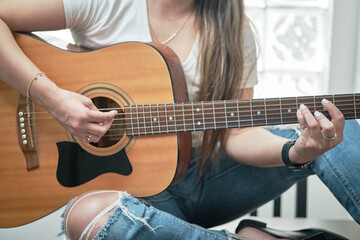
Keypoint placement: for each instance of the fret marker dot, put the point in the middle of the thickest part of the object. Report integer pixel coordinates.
(289, 110)
(155, 119)
(258, 112)
(198, 109)
(170, 118)
(199, 123)
(232, 114)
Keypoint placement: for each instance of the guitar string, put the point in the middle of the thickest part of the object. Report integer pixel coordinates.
(203, 106)
(237, 109)
(204, 115)
(233, 123)
(185, 129)
(190, 126)
(201, 116)
(282, 101)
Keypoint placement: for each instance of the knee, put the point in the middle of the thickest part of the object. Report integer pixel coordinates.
(84, 209)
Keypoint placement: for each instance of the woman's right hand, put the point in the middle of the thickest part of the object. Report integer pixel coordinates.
(77, 114)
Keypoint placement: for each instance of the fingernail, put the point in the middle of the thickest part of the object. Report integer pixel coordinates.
(302, 106)
(298, 112)
(317, 114)
(325, 100)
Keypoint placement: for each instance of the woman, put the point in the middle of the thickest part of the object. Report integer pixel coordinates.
(216, 35)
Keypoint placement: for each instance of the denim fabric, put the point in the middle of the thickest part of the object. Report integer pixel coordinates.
(135, 220)
(229, 190)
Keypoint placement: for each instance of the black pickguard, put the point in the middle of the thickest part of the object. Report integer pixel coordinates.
(76, 166)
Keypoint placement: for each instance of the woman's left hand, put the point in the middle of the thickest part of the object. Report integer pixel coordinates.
(318, 133)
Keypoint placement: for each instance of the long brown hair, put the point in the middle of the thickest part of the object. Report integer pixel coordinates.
(221, 60)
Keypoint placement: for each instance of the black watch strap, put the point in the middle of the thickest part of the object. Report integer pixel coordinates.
(286, 158)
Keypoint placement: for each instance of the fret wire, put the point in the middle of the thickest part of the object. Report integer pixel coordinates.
(151, 119)
(238, 113)
(265, 112)
(214, 114)
(166, 118)
(144, 118)
(314, 100)
(192, 110)
(251, 111)
(281, 116)
(137, 118)
(132, 124)
(158, 120)
(182, 105)
(203, 114)
(174, 110)
(225, 112)
(355, 105)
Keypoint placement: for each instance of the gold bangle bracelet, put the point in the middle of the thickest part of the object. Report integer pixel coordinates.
(40, 74)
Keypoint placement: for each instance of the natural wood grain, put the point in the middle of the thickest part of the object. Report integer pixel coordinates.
(142, 73)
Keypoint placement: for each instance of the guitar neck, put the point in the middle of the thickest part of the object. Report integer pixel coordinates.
(216, 115)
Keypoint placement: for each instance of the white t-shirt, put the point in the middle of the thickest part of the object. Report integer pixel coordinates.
(99, 23)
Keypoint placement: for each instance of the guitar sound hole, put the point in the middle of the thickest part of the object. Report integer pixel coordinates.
(117, 129)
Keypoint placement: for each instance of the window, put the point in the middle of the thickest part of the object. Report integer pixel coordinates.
(294, 46)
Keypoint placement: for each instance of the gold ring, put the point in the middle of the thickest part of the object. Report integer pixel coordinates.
(88, 137)
(330, 138)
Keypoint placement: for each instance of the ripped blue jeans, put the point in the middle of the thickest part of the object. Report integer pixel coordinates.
(230, 190)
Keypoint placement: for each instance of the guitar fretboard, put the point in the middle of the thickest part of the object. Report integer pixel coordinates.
(215, 115)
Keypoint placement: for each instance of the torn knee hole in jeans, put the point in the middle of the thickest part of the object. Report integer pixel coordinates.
(110, 214)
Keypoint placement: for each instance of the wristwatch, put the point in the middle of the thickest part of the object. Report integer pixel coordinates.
(286, 158)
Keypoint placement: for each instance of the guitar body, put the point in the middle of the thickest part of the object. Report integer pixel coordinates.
(128, 73)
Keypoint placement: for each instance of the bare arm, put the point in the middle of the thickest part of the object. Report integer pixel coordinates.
(71, 110)
(16, 15)
(253, 146)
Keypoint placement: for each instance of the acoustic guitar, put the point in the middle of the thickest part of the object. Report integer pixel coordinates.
(42, 166)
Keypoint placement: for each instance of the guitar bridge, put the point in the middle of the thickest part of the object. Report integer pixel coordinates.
(26, 132)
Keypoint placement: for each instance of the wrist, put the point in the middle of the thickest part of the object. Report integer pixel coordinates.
(43, 91)
(290, 159)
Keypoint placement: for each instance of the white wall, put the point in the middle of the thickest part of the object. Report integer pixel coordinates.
(357, 66)
(345, 53)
